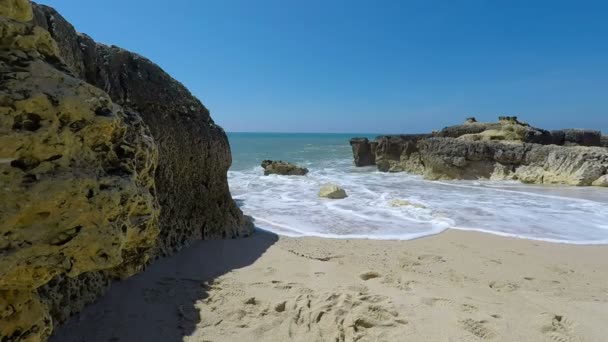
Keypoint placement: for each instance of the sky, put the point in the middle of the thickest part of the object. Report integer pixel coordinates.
(369, 66)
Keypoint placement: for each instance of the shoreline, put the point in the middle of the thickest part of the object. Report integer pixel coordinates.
(454, 286)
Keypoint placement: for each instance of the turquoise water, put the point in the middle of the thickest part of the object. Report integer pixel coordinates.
(289, 205)
(249, 149)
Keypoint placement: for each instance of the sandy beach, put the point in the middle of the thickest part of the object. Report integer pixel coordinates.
(455, 286)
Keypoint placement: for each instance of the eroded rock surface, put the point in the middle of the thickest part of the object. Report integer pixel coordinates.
(279, 167)
(77, 174)
(92, 139)
(508, 149)
(363, 152)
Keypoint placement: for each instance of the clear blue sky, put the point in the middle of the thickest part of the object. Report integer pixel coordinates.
(369, 66)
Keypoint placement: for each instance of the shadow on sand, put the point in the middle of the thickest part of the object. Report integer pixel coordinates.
(159, 304)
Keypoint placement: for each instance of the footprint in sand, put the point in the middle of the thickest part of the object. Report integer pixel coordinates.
(369, 275)
(560, 329)
(432, 301)
(478, 329)
(503, 286)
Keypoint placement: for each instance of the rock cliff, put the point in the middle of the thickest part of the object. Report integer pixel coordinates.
(508, 149)
(106, 163)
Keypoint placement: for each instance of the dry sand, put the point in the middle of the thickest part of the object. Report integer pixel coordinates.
(456, 286)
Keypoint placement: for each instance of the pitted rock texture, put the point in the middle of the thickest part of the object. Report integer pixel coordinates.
(279, 167)
(191, 178)
(77, 175)
(82, 126)
(508, 149)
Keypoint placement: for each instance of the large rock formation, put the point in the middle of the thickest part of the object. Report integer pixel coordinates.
(501, 151)
(92, 139)
(194, 151)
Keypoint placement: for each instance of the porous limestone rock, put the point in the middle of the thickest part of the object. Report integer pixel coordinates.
(582, 137)
(509, 128)
(449, 158)
(509, 149)
(194, 154)
(23, 317)
(279, 167)
(332, 191)
(80, 169)
(602, 181)
(78, 193)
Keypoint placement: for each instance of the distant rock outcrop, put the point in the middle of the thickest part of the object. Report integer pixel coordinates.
(508, 149)
(279, 167)
(92, 139)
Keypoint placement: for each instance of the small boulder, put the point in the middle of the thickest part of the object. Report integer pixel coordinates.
(405, 203)
(332, 191)
(602, 181)
(279, 167)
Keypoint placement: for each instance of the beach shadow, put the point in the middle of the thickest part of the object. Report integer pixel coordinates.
(159, 304)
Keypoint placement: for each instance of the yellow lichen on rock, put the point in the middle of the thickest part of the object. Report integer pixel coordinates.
(77, 175)
(20, 10)
(23, 317)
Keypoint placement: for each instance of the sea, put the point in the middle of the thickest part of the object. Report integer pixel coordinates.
(289, 205)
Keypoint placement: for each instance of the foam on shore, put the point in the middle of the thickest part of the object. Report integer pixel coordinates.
(289, 205)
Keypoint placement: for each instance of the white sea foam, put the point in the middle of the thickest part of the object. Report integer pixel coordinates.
(289, 205)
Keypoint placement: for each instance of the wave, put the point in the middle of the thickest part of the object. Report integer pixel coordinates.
(289, 205)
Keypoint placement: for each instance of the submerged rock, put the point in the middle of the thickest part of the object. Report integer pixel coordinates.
(279, 167)
(405, 203)
(332, 191)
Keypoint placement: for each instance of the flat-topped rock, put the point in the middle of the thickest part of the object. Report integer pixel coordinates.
(508, 149)
(279, 167)
(579, 137)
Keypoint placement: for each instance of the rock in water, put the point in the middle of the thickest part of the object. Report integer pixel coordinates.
(279, 167)
(363, 151)
(405, 203)
(332, 191)
(509, 149)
